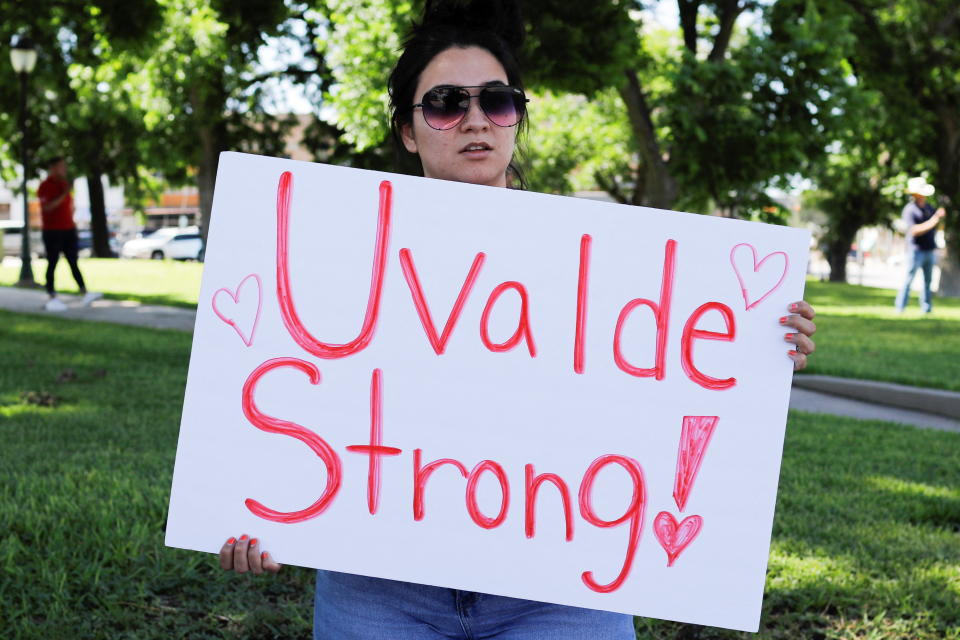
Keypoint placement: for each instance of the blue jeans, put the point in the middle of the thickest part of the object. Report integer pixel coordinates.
(349, 607)
(919, 259)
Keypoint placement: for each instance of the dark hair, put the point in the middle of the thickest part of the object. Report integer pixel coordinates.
(494, 25)
(52, 161)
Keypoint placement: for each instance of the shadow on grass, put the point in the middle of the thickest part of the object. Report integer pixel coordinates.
(78, 341)
(882, 503)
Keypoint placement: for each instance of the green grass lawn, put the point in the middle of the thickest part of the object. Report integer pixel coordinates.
(84, 487)
(866, 541)
(860, 335)
(166, 282)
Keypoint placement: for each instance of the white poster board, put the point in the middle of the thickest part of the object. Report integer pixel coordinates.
(507, 392)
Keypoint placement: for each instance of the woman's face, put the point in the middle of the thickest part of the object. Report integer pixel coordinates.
(476, 150)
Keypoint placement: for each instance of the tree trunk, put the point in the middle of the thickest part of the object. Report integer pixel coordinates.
(950, 275)
(728, 11)
(213, 140)
(688, 10)
(98, 213)
(208, 103)
(659, 189)
(948, 196)
(207, 176)
(837, 250)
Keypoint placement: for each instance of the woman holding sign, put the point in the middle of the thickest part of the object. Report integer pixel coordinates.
(458, 103)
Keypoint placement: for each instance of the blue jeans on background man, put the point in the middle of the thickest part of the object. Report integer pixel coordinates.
(350, 607)
(919, 259)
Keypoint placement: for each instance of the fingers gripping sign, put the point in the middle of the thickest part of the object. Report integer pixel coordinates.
(244, 554)
(800, 321)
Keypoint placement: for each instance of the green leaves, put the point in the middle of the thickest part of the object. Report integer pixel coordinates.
(741, 96)
(574, 139)
(578, 47)
(361, 49)
(724, 118)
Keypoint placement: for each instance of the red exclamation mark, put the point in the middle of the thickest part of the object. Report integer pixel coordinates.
(674, 537)
(696, 434)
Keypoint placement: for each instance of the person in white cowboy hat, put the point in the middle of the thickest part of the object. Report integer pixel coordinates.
(920, 221)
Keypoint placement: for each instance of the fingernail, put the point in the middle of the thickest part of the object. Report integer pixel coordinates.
(789, 336)
(792, 354)
(231, 540)
(243, 537)
(794, 306)
(253, 542)
(263, 556)
(783, 320)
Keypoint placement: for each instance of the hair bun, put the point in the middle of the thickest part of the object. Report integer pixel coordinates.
(501, 17)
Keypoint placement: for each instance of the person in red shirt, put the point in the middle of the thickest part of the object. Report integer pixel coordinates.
(59, 230)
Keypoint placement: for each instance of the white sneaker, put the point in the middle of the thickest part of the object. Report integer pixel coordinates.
(55, 304)
(90, 296)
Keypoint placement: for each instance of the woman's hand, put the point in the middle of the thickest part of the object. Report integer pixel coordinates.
(801, 321)
(244, 554)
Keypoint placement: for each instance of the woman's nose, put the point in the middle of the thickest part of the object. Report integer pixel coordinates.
(475, 118)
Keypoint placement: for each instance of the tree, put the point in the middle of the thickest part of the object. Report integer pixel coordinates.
(200, 90)
(854, 193)
(736, 107)
(906, 50)
(82, 115)
(103, 130)
(576, 141)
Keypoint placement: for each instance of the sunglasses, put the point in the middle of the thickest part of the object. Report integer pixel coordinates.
(445, 107)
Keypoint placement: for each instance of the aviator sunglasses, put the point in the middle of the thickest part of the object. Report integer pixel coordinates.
(444, 107)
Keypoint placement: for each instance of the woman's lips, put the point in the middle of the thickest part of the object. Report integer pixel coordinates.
(476, 150)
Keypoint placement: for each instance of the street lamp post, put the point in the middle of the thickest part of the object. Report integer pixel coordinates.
(23, 57)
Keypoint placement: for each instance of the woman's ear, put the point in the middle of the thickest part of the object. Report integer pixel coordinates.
(406, 133)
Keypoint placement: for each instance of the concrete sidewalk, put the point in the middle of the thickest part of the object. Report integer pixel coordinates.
(116, 311)
(802, 399)
(864, 399)
(936, 401)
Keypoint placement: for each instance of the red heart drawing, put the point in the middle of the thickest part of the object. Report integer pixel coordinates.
(756, 268)
(673, 537)
(245, 310)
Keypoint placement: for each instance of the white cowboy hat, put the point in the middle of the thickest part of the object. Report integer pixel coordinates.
(920, 187)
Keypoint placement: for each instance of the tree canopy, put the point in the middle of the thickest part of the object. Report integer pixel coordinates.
(706, 115)
(907, 52)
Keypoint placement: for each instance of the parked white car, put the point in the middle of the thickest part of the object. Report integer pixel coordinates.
(177, 243)
(12, 233)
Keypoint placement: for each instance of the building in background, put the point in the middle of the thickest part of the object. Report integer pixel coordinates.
(177, 207)
(6, 202)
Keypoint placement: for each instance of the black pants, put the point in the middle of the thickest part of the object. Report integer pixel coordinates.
(62, 241)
